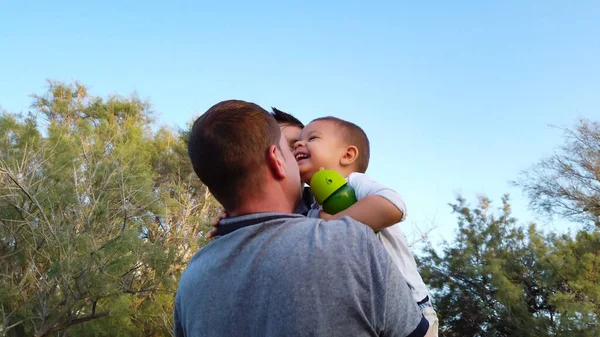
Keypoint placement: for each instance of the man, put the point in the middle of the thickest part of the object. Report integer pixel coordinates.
(273, 273)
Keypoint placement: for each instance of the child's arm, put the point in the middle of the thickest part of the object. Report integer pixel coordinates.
(378, 206)
(373, 210)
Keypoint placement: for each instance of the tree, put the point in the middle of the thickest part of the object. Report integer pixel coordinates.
(500, 279)
(99, 215)
(568, 183)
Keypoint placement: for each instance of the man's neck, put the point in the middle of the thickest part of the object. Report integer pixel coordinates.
(271, 200)
(255, 209)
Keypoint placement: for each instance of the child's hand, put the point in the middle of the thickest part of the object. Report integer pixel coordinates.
(222, 215)
(325, 216)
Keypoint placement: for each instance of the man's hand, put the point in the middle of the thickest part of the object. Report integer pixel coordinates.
(222, 215)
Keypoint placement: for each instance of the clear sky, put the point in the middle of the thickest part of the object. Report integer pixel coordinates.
(456, 96)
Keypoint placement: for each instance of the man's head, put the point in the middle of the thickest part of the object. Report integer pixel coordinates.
(290, 126)
(334, 144)
(239, 153)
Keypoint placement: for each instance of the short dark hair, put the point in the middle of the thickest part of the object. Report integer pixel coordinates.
(353, 135)
(285, 118)
(228, 146)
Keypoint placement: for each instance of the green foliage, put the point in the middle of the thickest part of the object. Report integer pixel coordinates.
(98, 217)
(501, 279)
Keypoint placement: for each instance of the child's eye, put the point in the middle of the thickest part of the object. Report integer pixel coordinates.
(312, 137)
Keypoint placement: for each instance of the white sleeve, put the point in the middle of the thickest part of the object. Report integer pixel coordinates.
(364, 186)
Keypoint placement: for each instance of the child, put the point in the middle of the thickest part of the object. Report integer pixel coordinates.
(335, 144)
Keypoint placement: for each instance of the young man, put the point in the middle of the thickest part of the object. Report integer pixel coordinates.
(273, 273)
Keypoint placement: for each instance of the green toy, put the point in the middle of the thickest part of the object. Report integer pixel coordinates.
(332, 191)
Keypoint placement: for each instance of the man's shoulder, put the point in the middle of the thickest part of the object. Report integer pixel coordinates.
(344, 226)
(290, 226)
(290, 230)
(345, 240)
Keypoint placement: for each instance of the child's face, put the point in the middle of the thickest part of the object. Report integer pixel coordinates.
(291, 133)
(320, 146)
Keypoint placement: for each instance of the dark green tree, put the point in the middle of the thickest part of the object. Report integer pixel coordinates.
(567, 185)
(498, 278)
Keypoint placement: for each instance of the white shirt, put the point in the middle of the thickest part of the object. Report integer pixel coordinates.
(391, 237)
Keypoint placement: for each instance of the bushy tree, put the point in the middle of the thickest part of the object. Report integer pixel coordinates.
(99, 214)
(498, 278)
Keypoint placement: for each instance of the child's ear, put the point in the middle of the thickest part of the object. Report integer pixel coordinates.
(349, 156)
(276, 162)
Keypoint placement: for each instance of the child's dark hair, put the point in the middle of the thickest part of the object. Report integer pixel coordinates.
(354, 135)
(285, 118)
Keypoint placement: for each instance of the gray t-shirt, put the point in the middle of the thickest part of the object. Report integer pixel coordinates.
(287, 275)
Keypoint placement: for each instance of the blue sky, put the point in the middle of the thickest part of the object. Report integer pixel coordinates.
(456, 97)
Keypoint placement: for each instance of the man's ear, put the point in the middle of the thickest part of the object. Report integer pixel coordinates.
(349, 156)
(276, 162)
